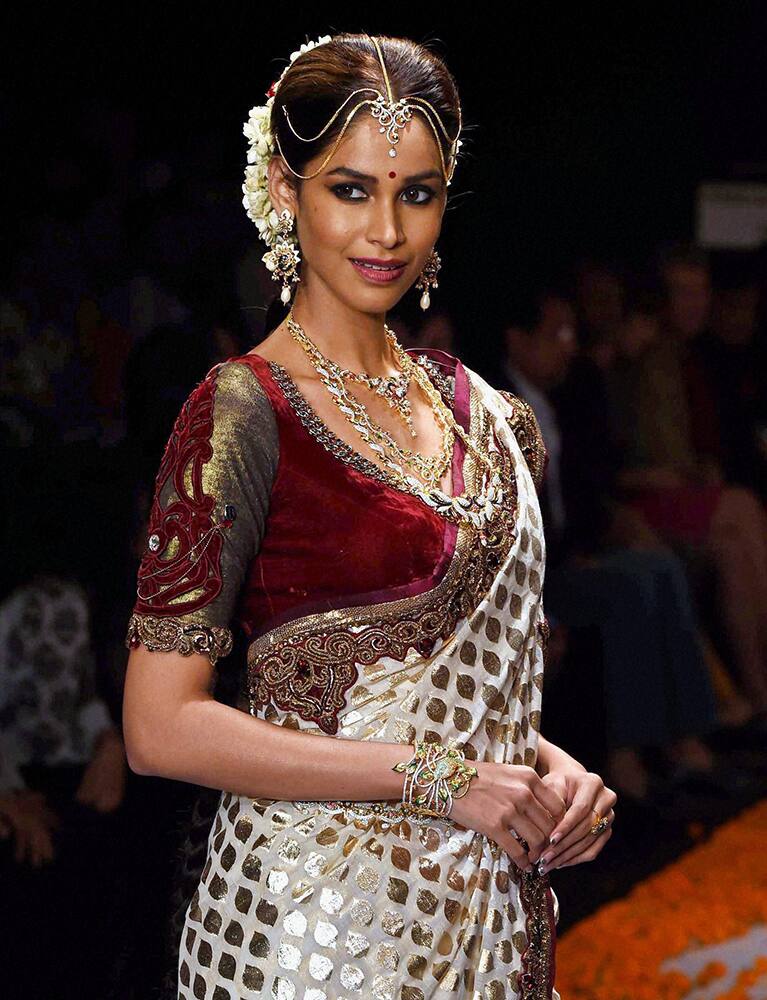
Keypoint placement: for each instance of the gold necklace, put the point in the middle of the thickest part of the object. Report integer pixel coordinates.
(431, 468)
(392, 388)
(477, 509)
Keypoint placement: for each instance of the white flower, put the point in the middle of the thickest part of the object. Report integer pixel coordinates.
(261, 148)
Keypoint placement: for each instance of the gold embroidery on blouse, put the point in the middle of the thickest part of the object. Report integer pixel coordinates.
(308, 664)
(528, 434)
(166, 634)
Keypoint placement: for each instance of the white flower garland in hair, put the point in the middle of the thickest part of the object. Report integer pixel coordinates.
(261, 147)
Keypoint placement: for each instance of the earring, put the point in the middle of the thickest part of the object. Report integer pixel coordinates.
(283, 258)
(428, 277)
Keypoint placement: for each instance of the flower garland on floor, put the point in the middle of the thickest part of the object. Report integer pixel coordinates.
(715, 892)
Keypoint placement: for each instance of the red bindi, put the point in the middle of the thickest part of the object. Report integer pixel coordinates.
(392, 173)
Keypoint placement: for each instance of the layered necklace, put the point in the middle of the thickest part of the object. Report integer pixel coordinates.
(477, 509)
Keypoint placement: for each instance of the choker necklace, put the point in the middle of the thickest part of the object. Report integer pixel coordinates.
(392, 388)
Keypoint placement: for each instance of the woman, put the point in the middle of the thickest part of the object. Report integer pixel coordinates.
(390, 597)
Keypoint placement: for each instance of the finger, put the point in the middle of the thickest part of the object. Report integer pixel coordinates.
(589, 851)
(531, 821)
(577, 841)
(509, 843)
(583, 803)
(550, 799)
(579, 829)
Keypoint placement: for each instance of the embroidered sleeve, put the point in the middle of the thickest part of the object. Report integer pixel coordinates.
(527, 431)
(208, 515)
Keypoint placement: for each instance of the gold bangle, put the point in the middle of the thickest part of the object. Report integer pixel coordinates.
(441, 774)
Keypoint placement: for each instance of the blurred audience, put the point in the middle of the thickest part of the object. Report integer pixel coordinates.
(605, 566)
(675, 472)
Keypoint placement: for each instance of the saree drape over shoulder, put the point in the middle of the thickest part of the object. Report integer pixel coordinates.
(367, 617)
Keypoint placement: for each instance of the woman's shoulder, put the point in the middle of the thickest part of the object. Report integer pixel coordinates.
(233, 392)
(445, 361)
(524, 424)
(226, 422)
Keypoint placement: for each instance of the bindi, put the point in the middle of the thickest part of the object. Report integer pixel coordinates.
(392, 173)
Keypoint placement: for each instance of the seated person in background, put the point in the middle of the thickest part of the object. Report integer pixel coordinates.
(735, 359)
(674, 472)
(50, 713)
(63, 768)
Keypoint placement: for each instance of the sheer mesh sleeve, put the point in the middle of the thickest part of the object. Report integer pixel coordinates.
(208, 515)
(527, 431)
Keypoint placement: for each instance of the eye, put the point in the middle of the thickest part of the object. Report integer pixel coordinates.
(339, 188)
(422, 189)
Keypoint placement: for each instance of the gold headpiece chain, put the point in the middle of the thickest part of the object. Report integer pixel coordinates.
(392, 115)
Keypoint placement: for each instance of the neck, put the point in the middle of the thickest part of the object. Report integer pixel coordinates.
(352, 338)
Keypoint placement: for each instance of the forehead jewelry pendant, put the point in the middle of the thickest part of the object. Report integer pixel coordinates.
(393, 115)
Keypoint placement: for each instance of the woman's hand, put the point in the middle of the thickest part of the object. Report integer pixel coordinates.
(506, 797)
(103, 782)
(32, 820)
(584, 793)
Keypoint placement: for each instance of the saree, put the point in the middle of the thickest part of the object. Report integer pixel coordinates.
(328, 900)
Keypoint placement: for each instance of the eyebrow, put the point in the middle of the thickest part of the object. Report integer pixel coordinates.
(348, 172)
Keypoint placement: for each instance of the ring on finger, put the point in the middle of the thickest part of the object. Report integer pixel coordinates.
(601, 823)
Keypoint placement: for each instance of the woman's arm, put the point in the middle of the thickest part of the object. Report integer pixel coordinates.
(174, 728)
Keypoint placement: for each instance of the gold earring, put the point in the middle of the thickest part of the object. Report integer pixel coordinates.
(428, 277)
(283, 258)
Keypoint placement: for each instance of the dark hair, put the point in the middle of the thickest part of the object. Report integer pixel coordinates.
(322, 78)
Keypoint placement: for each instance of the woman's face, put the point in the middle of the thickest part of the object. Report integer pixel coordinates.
(367, 204)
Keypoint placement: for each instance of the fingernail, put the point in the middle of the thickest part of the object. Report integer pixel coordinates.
(554, 838)
(546, 858)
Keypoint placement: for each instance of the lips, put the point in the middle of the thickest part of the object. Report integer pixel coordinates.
(379, 271)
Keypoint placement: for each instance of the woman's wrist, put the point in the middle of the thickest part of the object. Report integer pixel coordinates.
(552, 758)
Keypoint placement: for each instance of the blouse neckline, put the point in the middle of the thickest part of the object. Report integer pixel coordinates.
(348, 455)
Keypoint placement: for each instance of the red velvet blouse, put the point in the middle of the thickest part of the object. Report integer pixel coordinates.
(261, 514)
